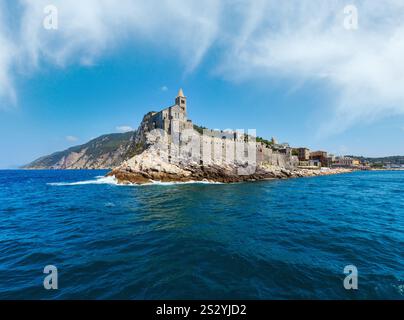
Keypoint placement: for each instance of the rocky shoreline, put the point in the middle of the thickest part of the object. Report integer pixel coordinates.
(148, 168)
(125, 177)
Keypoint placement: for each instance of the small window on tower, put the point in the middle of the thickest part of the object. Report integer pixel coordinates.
(183, 101)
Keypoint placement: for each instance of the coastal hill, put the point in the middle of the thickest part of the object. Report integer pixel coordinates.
(104, 152)
(381, 161)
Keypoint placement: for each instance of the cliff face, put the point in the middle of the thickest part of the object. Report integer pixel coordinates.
(105, 152)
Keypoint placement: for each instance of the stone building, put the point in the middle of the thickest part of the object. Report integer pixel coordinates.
(172, 119)
(187, 145)
(322, 157)
(346, 162)
(303, 154)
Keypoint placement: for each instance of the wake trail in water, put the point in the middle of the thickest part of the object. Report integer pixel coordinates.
(98, 180)
(113, 181)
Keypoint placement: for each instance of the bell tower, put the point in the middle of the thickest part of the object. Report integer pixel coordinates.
(181, 101)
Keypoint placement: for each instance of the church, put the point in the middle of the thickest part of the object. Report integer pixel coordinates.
(172, 119)
(185, 144)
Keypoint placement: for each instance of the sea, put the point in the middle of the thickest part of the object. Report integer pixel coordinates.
(303, 238)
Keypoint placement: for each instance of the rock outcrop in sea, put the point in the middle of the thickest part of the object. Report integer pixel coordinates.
(148, 167)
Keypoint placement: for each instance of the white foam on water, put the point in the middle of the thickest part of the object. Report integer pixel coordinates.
(99, 180)
(160, 183)
(109, 205)
(113, 181)
(400, 289)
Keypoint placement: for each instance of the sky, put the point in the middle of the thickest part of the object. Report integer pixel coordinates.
(313, 73)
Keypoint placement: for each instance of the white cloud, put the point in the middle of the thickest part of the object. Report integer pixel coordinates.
(71, 138)
(298, 40)
(164, 88)
(7, 53)
(306, 40)
(89, 28)
(124, 129)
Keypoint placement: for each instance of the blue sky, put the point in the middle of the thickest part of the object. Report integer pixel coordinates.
(291, 71)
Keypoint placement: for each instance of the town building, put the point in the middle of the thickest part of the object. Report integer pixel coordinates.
(346, 162)
(322, 157)
(303, 154)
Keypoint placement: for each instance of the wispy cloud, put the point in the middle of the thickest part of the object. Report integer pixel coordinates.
(306, 40)
(87, 29)
(298, 40)
(164, 88)
(7, 56)
(124, 129)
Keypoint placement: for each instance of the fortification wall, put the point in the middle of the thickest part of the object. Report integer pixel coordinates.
(215, 147)
(174, 136)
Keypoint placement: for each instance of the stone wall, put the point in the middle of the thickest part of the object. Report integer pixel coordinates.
(214, 147)
(175, 136)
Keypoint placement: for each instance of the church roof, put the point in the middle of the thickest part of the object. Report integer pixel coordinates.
(181, 93)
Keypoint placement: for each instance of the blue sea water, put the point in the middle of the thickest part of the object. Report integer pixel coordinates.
(288, 239)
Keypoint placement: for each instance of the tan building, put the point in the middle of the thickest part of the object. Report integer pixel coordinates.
(322, 157)
(347, 162)
(356, 163)
(303, 154)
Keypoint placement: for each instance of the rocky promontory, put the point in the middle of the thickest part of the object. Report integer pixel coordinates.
(148, 167)
(213, 156)
(168, 147)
